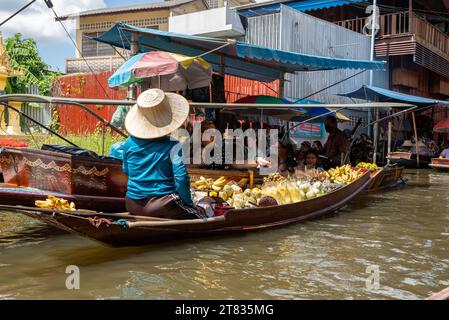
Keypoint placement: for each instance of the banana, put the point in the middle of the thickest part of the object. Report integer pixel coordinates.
(243, 182)
(216, 188)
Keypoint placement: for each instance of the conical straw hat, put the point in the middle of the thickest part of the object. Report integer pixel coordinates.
(156, 114)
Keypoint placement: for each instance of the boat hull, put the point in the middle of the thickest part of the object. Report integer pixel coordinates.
(111, 233)
(440, 164)
(384, 178)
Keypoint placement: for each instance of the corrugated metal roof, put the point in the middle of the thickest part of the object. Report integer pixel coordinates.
(138, 7)
(270, 7)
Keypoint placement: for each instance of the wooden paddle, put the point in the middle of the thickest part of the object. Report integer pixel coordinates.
(81, 212)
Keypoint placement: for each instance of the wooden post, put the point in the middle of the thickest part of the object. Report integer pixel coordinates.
(410, 16)
(390, 125)
(281, 85)
(416, 139)
(376, 134)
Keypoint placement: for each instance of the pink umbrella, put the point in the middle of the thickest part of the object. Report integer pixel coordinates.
(442, 126)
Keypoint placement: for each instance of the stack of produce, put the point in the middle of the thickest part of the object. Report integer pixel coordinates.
(366, 165)
(276, 189)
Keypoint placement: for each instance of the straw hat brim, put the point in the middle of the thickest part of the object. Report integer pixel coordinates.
(160, 122)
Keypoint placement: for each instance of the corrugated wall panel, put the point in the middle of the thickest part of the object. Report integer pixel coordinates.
(41, 113)
(306, 34)
(84, 85)
(236, 88)
(264, 31)
(294, 31)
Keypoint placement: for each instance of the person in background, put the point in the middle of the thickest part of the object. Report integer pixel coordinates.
(311, 161)
(118, 118)
(286, 158)
(445, 153)
(305, 147)
(158, 182)
(317, 145)
(337, 143)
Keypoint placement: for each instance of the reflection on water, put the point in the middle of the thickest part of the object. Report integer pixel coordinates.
(405, 232)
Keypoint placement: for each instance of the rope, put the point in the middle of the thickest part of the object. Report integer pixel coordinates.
(17, 12)
(77, 49)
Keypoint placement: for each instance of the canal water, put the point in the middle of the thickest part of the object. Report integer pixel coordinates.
(403, 234)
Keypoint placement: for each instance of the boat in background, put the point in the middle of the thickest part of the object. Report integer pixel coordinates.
(407, 157)
(440, 164)
(389, 176)
(119, 230)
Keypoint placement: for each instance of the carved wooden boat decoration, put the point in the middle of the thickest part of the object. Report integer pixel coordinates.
(92, 183)
(119, 230)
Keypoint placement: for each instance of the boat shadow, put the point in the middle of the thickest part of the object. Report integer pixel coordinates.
(32, 234)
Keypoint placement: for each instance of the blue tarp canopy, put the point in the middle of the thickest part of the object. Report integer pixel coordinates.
(237, 58)
(377, 94)
(306, 5)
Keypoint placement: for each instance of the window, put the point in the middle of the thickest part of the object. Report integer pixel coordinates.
(92, 48)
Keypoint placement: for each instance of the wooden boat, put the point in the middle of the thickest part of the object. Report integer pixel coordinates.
(408, 160)
(92, 183)
(440, 164)
(442, 295)
(386, 177)
(119, 230)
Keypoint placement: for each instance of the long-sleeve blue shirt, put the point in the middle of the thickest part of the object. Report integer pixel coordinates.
(152, 171)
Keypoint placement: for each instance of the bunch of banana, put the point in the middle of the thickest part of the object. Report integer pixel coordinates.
(243, 182)
(367, 165)
(344, 174)
(56, 204)
(210, 184)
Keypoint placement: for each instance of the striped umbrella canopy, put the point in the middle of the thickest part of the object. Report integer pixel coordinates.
(295, 113)
(320, 113)
(165, 70)
(442, 126)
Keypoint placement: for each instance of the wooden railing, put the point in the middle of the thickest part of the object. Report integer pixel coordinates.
(393, 24)
(399, 24)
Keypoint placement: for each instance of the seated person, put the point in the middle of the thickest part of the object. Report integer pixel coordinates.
(286, 158)
(317, 146)
(158, 182)
(305, 147)
(311, 161)
(445, 153)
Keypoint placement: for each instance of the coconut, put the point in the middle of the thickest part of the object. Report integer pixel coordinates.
(267, 201)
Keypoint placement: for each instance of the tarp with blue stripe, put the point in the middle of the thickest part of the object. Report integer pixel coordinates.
(302, 6)
(372, 93)
(238, 58)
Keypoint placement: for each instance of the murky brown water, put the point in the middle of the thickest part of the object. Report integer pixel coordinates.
(405, 232)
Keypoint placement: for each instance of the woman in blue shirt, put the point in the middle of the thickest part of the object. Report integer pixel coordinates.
(158, 182)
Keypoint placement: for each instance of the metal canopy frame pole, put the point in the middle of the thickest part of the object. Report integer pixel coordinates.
(134, 49)
(390, 125)
(416, 139)
(7, 105)
(373, 44)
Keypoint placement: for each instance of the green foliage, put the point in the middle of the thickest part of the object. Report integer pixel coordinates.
(24, 57)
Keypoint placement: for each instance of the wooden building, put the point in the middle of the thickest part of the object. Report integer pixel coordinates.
(89, 24)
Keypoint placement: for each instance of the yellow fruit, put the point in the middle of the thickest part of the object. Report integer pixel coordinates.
(216, 188)
(243, 182)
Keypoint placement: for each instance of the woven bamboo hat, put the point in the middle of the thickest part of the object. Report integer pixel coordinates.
(156, 114)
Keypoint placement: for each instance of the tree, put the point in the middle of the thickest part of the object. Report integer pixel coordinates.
(24, 57)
